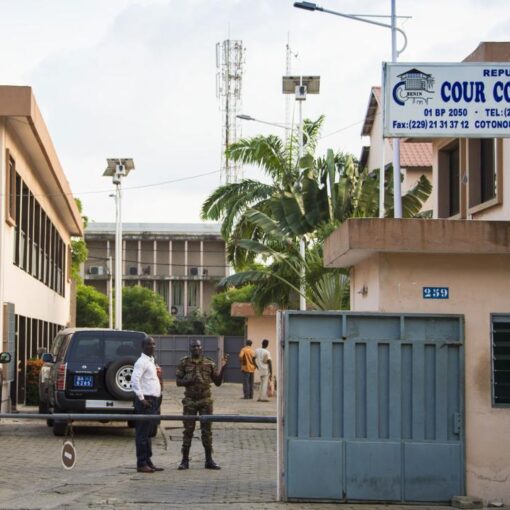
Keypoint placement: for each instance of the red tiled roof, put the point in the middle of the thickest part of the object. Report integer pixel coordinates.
(415, 154)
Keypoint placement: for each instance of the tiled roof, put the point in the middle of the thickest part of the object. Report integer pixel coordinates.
(415, 154)
(373, 105)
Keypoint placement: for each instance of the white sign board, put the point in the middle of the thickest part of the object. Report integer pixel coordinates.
(446, 100)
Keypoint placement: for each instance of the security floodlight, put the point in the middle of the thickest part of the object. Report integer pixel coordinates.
(118, 166)
(291, 84)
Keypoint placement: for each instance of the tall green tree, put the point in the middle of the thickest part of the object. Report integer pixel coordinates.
(220, 320)
(91, 307)
(145, 310)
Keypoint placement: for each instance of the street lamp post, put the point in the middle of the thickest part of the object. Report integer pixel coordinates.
(249, 117)
(110, 293)
(310, 6)
(300, 86)
(116, 169)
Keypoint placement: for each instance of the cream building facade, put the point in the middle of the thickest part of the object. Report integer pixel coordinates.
(415, 157)
(183, 262)
(38, 217)
(465, 249)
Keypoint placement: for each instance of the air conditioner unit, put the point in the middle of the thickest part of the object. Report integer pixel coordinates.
(133, 271)
(96, 270)
(193, 271)
(177, 310)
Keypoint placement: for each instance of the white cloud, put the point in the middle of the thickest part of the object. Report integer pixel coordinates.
(137, 78)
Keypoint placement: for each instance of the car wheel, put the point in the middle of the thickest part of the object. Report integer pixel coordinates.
(118, 378)
(59, 427)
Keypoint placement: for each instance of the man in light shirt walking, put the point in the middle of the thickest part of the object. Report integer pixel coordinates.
(147, 388)
(265, 366)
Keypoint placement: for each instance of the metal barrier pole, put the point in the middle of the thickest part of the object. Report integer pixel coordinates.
(226, 418)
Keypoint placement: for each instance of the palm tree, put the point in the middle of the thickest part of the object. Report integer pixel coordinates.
(308, 198)
(230, 203)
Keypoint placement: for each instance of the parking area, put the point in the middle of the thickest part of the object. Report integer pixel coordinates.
(32, 476)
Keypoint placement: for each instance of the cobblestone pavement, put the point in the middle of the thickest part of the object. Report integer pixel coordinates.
(32, 476)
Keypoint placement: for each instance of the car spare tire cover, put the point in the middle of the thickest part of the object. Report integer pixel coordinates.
(118, 378)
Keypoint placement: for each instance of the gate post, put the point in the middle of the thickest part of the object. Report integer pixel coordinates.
(281, 494)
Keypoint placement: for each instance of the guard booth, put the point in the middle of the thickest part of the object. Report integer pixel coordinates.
(372, 407)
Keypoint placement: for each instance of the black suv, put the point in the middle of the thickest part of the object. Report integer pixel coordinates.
(89, 371)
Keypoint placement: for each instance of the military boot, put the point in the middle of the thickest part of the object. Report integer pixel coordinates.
(209, 462)
(185, 458)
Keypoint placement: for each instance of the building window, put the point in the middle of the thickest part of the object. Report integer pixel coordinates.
(38, 248)
(193, 288)
(484, 170)
(10, 191)
(18, 223)
(501, 360)
(162, 290)
(178, 293)
(449, 180)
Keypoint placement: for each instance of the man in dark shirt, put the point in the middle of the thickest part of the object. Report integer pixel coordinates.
(195, 373)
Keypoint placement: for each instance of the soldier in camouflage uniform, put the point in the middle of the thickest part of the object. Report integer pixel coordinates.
(196, 373)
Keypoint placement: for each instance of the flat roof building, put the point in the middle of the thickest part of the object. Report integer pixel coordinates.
(182, 262)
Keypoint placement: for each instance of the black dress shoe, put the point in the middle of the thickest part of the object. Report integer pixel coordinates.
(152, 466)
(145, 469)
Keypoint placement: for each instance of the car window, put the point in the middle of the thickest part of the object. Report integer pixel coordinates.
(122, 345)
(57, 342)
(87, 346)
(59, 346)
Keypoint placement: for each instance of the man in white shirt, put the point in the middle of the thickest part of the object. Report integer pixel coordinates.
(147, 388)
(265, 367)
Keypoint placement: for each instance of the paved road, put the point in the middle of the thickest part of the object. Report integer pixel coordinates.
(105, 477)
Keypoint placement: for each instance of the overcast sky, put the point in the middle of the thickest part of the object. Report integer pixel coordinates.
(136, 78)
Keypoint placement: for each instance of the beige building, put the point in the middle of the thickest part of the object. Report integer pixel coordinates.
(415, 158)
(182, 262)
(37, 220)
(259, 327)
(466, 250)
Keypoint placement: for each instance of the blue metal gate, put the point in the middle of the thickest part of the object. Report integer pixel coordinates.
(373, 407)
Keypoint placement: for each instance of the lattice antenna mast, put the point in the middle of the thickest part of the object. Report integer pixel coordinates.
(289, 54)
(230, 59)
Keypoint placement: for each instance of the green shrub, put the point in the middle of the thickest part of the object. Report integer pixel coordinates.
(32, 389)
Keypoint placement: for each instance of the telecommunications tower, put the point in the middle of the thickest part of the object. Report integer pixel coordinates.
(229, 62)
(289, 118)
